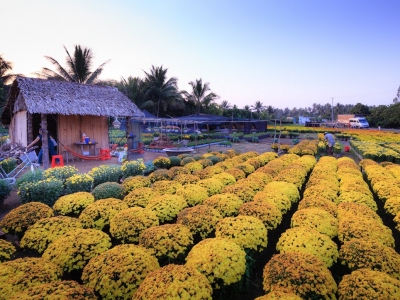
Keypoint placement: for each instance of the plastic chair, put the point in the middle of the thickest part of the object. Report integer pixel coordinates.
(105, 154)
(54, 162)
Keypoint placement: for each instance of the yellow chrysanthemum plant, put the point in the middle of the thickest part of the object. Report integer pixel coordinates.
(133, 168)
(361, 253)
(235, 172)
(118, 272)
(61, 173)
(140, 197)
(65, 289)
(368, 284)
(22, 273)
(225, 178)
(213, 186)
(135, 182)
(162, 162)
(279, 295)
(174, 282)
(318, 202)
(303, 274)
(246, 231)
(162, 187)
(74, 249)
(274, 197)
(316, 218)
(169, 242)
(200, 219)
(287, 188)
(167, 207)
(309, 241)
(185, 179)
(73, 204)
(268, 213)
(45, 231)
(222, 261)
(7, 250)
(19, 219)
(392, 205)
(105, 173)
(98, 214)
(193, 194)
(78, 183)
(241, 190)
(227, 204)
(127, 225)
(160, 174)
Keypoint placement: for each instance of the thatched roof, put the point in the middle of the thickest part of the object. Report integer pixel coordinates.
(66, 98)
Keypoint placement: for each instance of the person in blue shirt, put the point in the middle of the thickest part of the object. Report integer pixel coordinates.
(331, 142)
(52, 150)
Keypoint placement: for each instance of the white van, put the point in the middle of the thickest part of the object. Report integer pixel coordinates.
(358, 123)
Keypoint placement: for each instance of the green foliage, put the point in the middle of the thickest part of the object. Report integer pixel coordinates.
(187, 160)
(108, 190)
(215, 159)
(106, 173)
(9, 164)
(175, 161)
(45, 191)
(117, 136)
(133, 168)
(162, 162)
(150, 167)
(36, 175)
(5, 190)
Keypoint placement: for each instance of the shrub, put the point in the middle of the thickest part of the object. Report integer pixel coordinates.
(105, 173)
(18, 220)
(36, 175)
(5, 190)
(173, 281)
(168, 241)
(227, 204)
(304, 274)
(268, 213)
(132, 183)
(65, 289)
(133, 168)
(108, 190)
(46, 191)
(47, 230)
(174, 161)
(187, 160)
(7, 249)
(78, 183)
(61, 173)
(127, 225)
(139, 197)
(98, 214)
(118, 272)
(150, 167)
(73, 204)
(222, 261)
(8, 164)
(75, 248)
(166, 206)
(162, 162)
(22, 273)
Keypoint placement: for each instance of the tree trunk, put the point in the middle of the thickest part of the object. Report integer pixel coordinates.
(45, 142)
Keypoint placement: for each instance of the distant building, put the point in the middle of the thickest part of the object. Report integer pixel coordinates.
(303, 120)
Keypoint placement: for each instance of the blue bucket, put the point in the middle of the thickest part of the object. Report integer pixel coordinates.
(87, 140)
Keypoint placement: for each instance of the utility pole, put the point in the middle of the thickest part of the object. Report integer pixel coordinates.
(332, 110)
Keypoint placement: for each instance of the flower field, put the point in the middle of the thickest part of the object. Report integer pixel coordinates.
(218, 226)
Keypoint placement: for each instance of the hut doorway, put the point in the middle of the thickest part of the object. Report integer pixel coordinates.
(52, 128)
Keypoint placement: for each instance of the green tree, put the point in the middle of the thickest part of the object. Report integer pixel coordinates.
(161, 93)
(134, 88)
(360, 109)
(78, 67)
(200, 94)
(5, 77)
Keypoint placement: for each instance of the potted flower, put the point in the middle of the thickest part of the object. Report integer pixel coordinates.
(275, 147)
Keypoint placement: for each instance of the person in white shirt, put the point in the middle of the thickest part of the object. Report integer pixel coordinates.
(331, 142)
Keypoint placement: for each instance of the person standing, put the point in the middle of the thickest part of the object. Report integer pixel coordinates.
(50, 144)
(331, 142)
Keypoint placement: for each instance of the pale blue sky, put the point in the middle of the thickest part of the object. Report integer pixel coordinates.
(284, 53)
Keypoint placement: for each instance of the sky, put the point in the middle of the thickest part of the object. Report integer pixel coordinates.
(283, 53)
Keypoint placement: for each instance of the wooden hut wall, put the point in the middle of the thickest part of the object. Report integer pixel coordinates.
(18, 128)
(71, 128)
(136, 129)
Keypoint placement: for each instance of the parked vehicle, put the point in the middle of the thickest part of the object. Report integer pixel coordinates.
(352, 121)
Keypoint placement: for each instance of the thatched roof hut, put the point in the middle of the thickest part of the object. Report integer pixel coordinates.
(71, 109)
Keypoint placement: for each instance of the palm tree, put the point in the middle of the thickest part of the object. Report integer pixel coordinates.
(133, 88)
(162, 91)
(199, 94)
(78, 67)
(258, 106)
(5, 68)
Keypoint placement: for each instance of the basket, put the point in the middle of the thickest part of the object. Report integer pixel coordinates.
(31, 156)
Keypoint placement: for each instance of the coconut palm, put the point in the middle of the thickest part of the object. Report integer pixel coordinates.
(162, 93)
(258, 107)
(5, 68)
(78, 67)
(133, 88)
(199, 94)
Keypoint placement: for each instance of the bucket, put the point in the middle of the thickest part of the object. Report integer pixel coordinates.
(87, 140)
